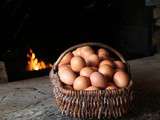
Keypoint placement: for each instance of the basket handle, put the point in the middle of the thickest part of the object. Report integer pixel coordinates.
(89, 44)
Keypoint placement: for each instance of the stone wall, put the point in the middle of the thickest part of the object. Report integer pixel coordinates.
(3, 73)
(156, 28)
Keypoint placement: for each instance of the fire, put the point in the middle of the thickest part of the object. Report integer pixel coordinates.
(34, 64)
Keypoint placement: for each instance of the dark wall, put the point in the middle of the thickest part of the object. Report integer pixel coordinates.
(136, 28)
(125, 25)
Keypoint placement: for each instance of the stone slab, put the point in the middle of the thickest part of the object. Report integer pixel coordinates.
(32, 99)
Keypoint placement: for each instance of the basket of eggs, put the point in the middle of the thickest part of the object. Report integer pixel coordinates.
(92, 80)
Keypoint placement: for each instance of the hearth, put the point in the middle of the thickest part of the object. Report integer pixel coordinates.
(22, 63)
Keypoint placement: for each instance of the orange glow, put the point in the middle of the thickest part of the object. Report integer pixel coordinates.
(34, 64)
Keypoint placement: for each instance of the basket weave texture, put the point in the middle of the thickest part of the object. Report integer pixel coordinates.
(91, 104)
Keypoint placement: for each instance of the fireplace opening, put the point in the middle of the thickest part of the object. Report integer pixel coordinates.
(23, 63)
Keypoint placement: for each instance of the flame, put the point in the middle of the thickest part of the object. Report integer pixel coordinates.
(34, 64)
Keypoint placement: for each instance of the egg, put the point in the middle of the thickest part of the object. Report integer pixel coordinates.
(74, 53)
(103, 54)
(77, 63)
(95, 68)
(86, 51)
(63, 68)
(111, 86)
(117, 69)
(107, 62)
(77, 52)
(81, 83)
(92, 60)
(119, 64)
(51, 74)
(121, 79)
(86, 71)
(98, 80)
(68, 87)
(106, 70)
(67, 76)
(92, 88)
(66, 59)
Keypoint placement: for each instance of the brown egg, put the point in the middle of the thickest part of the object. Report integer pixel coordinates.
(77, 52)
(121, 79)
(66, 59)
(51, 74)
(95, 68)
(92, 88)
(117, 69)
(67, 76)
(92, 60)
(64, 67)
(107, 62)
(103, 54)
(81, 83)
(119, 64)
(86, 71)
(74, 53)
(68, 87)
(77, 63)
(106, 70)
(86, 51)
(98, 80)
(111, 86)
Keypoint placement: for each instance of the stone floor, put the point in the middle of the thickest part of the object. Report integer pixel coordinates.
(32, 99)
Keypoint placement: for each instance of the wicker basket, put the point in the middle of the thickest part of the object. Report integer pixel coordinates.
(92, 104)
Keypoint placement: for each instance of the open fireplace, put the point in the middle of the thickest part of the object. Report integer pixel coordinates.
(44, 30)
